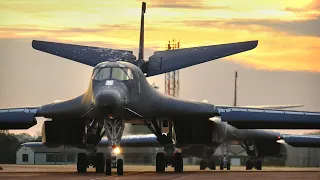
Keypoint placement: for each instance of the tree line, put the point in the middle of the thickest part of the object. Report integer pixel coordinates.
(10, 143)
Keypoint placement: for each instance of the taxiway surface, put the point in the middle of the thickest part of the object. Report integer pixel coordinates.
(61, 172)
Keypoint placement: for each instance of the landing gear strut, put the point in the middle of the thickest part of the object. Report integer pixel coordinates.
(94, 131)
(225, 161)
(92, 136)
(170, 156)
(254, 160)
(114, 130)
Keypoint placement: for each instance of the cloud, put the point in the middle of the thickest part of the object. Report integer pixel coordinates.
(301, 28)
(182, 4)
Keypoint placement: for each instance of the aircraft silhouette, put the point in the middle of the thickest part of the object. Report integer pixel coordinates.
(119, 93)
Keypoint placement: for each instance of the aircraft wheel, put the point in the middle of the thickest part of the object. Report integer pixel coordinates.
(108, 167)
(202, 165)
(160, 162)
(248, 165)
(99, 162)
(221, 166)
(228, 166)
(178, 162)
(82, 163)
(259, 165)
(212, 165)
(120, 167)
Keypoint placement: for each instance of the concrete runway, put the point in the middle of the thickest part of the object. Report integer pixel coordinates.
(61, 172)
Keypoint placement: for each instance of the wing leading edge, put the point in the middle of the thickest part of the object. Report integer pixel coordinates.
(88, 55)
(254, 118)
(170, 60)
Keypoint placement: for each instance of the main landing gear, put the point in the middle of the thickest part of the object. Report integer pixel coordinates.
(96, 160)
(113, 128)
(171, 156)
(208, 164)
(225, 161)
(167, 158)
(254, 160)
(208, 160)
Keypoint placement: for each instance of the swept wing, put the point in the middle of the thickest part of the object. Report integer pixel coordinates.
(256, 118)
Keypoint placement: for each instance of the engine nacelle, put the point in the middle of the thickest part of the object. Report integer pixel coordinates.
(62, 132)
(198, 132)
(271, 148)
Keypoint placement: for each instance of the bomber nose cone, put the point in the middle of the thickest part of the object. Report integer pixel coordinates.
(108, 99)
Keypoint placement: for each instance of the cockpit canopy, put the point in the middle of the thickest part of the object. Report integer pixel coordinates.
(120, 73)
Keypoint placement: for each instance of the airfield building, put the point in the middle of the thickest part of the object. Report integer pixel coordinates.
(39, 154)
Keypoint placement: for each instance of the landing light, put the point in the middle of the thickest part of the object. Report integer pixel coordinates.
(116, 150)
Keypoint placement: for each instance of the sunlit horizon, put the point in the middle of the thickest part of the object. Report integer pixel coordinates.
(286, 30)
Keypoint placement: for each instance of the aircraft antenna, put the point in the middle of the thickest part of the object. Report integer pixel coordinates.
(172, 82)
(235, 88)
(141, 45)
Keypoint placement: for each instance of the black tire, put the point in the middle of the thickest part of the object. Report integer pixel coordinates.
(178, 162)
(259, 165)
(212, 165)
(248, 165)
(82, 163)
(160, 162)
(120, 167)
(99, 162)
(202, 165)
(221, 166)
(108, 167)
(228, 166)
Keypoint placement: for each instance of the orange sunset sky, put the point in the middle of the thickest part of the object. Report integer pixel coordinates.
(287, 30)
(283, 69)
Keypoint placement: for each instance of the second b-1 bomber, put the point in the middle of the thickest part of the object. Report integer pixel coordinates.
(119, 93)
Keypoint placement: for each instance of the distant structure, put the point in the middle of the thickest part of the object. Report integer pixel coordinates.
(172, 78)
(235, 89)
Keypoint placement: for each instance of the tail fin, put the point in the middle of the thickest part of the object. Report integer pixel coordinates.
(141, 45)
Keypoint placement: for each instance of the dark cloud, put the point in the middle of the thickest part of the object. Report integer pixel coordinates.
(313, 6)
(305, 28)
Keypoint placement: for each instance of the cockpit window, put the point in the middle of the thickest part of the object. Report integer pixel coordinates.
(115, 73)
(101, 74)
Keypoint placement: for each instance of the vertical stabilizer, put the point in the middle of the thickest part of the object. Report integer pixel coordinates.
(141, 45)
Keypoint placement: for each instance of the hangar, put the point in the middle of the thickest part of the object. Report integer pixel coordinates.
(45, 155)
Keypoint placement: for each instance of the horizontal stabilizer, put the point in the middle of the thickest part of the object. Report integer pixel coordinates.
(22, 118)
(302, 140)
(170, 60)
(88, 55)
(249, 118)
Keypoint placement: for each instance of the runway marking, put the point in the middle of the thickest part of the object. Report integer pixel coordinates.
(183, 177)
